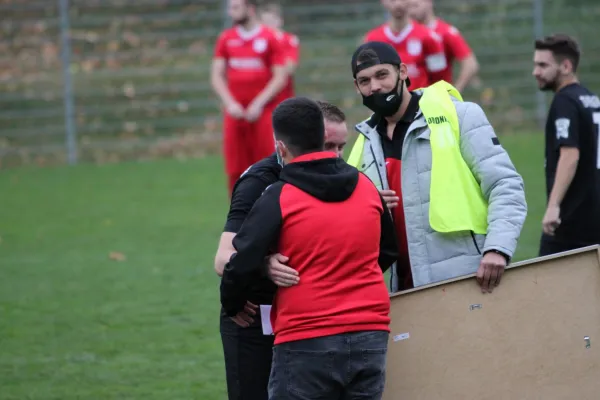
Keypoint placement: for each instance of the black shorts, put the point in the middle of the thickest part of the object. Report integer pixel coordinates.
(553, 245)
(248, 357)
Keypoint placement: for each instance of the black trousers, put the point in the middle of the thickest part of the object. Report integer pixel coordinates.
(552, 245)
(248, 357)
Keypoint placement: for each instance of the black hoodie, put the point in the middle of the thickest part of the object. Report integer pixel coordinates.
(327, 179)
(308, 216)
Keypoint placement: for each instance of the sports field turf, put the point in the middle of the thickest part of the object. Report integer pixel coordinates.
(106, 283)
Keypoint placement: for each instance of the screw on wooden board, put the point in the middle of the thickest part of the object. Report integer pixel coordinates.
(475, 307)
(587, 342)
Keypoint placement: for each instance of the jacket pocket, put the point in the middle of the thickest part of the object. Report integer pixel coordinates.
(445, 246)
(474, 238)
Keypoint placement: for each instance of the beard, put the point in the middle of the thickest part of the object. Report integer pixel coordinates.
(419, 18)
(398, 13)
(241, 21)
(548, 86)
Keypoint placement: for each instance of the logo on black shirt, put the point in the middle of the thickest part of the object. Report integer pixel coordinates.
(590, 101)
(562, 127)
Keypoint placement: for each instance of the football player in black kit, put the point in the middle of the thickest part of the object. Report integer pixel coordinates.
(572, 218)
(248, 352)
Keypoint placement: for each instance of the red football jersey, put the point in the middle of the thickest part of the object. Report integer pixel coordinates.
(419, 48)
(291, 48)
(455, 46)
(250, 57)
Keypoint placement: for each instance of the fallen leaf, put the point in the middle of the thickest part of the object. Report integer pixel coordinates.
(41, 161)
(113, 46)
(130, 126)
(129, 90)
(117, 256)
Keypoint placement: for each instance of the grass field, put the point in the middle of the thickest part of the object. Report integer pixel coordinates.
(106, 283)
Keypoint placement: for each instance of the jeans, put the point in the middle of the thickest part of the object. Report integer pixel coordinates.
(349, 366)
(248, 356)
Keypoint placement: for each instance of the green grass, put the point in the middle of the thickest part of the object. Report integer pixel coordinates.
(75, 324)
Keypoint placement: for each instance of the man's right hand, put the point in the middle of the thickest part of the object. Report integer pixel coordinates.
(281, 274)
(254, 111)
(235, 110)
(551, 220)
(244, 318)
(390, 198)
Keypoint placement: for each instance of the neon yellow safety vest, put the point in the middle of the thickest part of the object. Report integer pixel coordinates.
(456, 202)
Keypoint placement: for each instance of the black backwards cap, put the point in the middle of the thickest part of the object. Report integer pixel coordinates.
(385, 54)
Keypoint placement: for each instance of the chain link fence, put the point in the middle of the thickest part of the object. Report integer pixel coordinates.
(110, 80)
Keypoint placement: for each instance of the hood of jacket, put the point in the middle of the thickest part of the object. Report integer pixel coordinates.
(322, 175)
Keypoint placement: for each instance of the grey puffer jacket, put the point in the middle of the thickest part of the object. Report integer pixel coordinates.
(438, 256)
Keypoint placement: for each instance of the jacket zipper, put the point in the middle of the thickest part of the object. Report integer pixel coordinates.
(376, 164)
(475, 242)
(392, 274)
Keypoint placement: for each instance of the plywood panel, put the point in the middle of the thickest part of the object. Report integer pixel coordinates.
(524, 341)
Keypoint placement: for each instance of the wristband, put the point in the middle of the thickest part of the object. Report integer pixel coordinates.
(501, 253)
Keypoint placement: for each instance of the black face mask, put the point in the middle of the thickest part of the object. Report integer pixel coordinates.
(385, 104)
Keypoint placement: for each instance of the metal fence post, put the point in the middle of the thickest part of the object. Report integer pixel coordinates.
(226, 21)
(70, 130)
(538, 31)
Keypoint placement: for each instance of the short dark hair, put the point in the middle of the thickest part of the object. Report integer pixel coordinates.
(331, 112)
(298, 122)
(562, 46)
(253, 3)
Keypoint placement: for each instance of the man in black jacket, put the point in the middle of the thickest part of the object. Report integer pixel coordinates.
(248, 352)
(332, 327)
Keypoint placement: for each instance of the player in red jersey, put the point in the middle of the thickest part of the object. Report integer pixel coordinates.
(419, 48)
(271, 15)
(456, 47)
(248, 72)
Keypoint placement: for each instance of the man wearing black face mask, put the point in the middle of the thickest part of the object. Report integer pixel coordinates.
(385, 104)
(457, 201)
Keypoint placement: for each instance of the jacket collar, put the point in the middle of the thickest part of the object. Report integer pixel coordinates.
(368, 126)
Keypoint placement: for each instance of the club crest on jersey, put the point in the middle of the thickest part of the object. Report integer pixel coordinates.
(414, 47)
(259, 45)
(562, 128)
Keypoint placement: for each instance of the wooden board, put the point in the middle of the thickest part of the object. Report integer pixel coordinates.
(526, 340)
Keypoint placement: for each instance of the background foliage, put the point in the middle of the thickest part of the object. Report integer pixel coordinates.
(140, 69)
